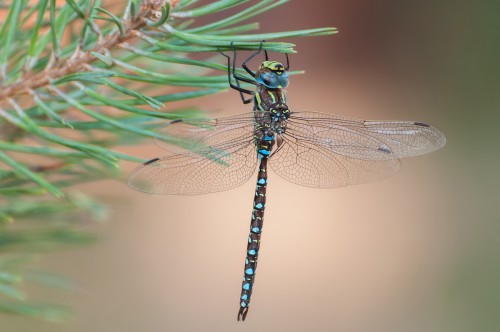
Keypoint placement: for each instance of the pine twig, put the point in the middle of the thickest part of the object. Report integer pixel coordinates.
(76, 63)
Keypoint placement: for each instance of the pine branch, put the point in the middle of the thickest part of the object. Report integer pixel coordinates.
(59, 68)
(77, 79)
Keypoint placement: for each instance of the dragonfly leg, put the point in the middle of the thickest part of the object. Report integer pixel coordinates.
(244, 64)
(287, 62)
(239, 77)
(237, 86)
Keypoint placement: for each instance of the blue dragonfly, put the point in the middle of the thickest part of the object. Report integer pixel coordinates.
(307, 148)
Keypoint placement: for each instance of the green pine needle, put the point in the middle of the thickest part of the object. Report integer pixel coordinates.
(77, 81)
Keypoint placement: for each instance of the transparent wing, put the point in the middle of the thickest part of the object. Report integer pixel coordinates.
(223, 157)
(199, 134)
(310, 164)
(363, 139)
(326, 151)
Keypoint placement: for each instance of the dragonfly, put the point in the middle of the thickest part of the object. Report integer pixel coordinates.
(307, 148)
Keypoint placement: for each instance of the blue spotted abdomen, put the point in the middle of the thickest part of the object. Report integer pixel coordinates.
(264, 148)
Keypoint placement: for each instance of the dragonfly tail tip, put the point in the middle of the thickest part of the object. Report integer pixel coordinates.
(242, 313)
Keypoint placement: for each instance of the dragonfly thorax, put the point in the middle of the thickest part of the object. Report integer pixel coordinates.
(277, 118)
(271, 110)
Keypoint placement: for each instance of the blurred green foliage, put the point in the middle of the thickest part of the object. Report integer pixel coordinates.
(77, 79)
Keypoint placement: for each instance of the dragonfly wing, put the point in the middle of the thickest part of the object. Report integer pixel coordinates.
(193, 173)
(198, 134)
(325, 151)
(363, 139)
(223, 157)
(312, 165)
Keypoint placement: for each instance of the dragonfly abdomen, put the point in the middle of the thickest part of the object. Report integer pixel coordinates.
(264, 148)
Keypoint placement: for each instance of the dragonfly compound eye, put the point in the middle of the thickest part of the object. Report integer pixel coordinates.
(268, 80)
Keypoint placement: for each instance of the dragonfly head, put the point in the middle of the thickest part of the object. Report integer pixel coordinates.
(272, 75)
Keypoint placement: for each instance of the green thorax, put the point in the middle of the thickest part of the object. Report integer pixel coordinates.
(267, 99)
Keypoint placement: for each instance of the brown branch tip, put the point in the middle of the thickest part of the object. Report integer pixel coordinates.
(78, 62)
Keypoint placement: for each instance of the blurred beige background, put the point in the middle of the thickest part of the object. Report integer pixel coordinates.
(417, 252)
